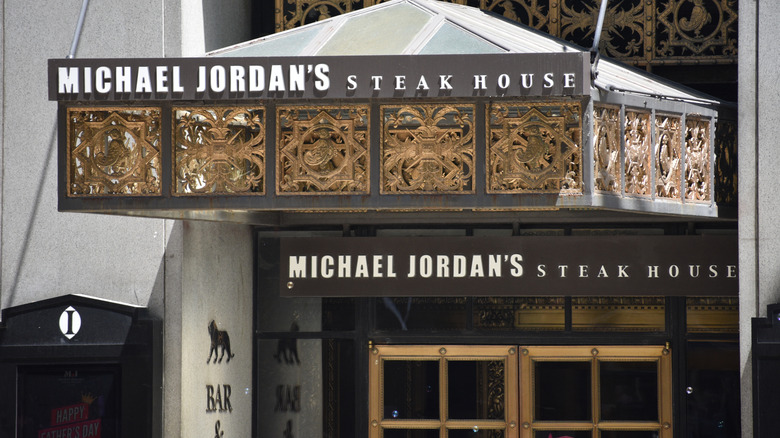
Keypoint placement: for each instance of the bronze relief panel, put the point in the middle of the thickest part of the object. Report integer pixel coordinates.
(697, 159)
(726, 162)
(534, 148)
(606, 143)
(668, 147)
(322, 150)
(113, 151)
(427, 149)
(637, 161)
(219, 150)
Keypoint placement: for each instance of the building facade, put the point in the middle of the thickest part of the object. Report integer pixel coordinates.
(479, 360)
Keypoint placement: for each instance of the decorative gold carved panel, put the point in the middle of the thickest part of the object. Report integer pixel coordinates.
(624, 27)
(726, 163)
(618, 313)
(113, 151)
(697, 159)
(525, 313)
(637, 162)
(712, 314)
(534, 148)
(427, 149)
(294, 13)
(322, 150)
(643, 32)
(219, 150)
(606, 143)
(668, 147)
(696, 28)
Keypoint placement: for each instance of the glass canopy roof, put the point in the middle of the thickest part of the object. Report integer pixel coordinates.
(410, 27)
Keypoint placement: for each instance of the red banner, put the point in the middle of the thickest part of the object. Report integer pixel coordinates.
(86, 429)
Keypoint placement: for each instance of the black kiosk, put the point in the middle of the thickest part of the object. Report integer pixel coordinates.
(78, 367)
(766, 373)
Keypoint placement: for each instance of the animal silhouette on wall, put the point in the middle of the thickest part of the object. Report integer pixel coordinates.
(219, 339)
(287, 349)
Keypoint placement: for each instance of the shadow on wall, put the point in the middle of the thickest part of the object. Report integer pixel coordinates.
(217, 13)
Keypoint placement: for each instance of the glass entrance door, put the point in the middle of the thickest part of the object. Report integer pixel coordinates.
(517, 391)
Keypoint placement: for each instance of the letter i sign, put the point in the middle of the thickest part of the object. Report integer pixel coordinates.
(70, 322)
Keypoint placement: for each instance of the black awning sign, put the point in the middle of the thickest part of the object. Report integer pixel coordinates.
(321, 77)
(511, 266)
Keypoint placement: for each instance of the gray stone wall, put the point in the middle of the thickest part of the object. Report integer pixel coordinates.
(147, 262)
(45, 253)
(759, 169)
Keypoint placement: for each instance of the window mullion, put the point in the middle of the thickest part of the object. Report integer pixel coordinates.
(443, 396)
(595, 399)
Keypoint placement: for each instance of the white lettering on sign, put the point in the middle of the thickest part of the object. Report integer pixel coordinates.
(70, 322)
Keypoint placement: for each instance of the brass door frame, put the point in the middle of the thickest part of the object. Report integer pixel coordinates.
(519, 386)
(595, 355)
(442, 354)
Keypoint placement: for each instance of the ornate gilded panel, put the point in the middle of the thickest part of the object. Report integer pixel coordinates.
(698, 28)
(624, 27)
(712, 314)
(113, 151)
(526, 313)
(618, 313)
(534, 147)
(294, 13)
(427, 149)
(668, 147)
(726, 162)
(529, 12)
(322, 150)
(606, 142)
(697, 159)
(643, 32)
(637, 161)
(219, 150)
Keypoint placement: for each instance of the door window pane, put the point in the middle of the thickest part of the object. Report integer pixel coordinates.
(629, 434)
(475, 432)
(629, 391)
(563, 434)
(712, 389)
(411, 389)
(476, 389)
(411, 433)
(562, 391)
(424, 313)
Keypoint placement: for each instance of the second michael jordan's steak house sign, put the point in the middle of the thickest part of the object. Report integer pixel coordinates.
(509, 266)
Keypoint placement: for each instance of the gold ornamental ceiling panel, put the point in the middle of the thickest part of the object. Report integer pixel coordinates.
(322, 150)
(534, 148)
(219, 150)
(427, 149)
(113, 151)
